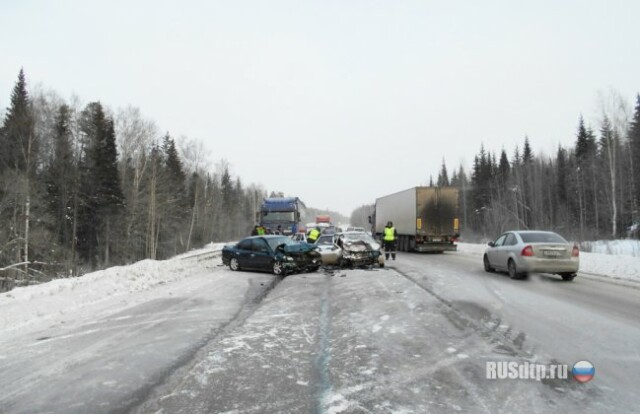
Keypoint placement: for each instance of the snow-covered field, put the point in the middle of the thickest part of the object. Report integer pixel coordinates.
(617, 247)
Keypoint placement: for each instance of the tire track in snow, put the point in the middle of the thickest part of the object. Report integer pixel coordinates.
(323, 358)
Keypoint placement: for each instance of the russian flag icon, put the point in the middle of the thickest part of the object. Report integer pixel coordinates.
(583, 371)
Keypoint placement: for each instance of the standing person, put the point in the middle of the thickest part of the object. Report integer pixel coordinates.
(390, 236)
(313, 235)
(279, 230)
(254, 232)
(261, 231)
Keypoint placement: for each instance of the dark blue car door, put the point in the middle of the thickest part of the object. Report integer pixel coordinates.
(243, 253)
(261, 257)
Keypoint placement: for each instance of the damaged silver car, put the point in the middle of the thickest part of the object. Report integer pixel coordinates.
(359, 249)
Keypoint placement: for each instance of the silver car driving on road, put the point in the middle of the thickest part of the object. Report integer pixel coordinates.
(521, 252)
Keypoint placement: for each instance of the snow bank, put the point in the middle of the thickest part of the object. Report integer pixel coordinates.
(617, 266)
(62, 296)
(618, 247)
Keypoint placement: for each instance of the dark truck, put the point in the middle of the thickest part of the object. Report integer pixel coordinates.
(280, 211)
(425, 218)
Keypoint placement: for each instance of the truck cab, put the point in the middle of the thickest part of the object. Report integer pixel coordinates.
(280, 215)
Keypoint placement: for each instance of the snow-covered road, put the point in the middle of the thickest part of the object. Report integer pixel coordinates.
(413, 337)
(107, 355)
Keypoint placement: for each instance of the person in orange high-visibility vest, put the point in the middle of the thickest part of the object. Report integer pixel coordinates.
(389, 238)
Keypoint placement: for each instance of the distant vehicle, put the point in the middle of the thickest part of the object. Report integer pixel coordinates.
(280, 214)
(323, 219)
(425, 218)
(277, 254)
(521, 252)
(330, 230)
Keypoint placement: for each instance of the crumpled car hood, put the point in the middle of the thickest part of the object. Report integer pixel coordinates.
(299, 249)
(357, 246)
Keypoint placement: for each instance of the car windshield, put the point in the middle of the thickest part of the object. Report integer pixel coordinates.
(359, 237)
(542, 237)
(276, 241)
(325, 240)
(278, 216)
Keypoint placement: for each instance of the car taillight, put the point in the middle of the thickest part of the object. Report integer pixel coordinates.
(527, 251)
(575, 252)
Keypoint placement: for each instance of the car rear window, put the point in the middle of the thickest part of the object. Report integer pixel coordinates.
(542, 238)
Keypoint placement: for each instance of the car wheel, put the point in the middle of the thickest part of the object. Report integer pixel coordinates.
(278, 269)
(513, 271)
(233, 264)
(568, 276)
(487, 265)
(381, 264)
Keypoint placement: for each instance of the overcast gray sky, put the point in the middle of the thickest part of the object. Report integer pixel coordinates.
(337, 102)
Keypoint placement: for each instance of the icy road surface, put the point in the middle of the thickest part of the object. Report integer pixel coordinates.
(414, 338)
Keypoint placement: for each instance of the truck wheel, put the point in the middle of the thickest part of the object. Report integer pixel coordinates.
(234, 265)
(568, 276)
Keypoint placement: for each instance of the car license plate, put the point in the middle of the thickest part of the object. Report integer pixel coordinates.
(551, 253)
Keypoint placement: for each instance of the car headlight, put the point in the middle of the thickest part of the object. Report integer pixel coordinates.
(288, 258)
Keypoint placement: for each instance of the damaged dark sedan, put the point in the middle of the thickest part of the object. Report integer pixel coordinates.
(277, 254)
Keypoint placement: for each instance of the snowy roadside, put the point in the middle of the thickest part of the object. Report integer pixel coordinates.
(60, 297)
(599, 264)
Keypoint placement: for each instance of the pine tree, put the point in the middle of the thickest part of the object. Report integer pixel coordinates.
(634, 143)
(18, 142)
(504, 169)
(60, 178)
(443, 176)
(101, 194)
(527, 152)
(226, 188)
(561, 174)
(527, 183)
(18, 159)
(176, 206)
(585, 144)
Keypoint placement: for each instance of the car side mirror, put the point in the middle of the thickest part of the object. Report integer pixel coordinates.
(492, 244)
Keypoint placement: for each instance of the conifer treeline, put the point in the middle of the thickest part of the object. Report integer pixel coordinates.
(81, 188)
(587, 191)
